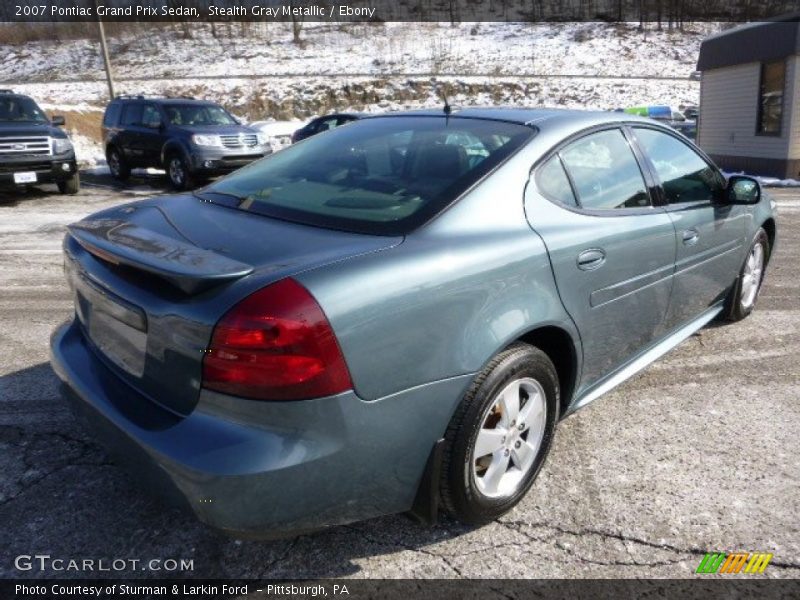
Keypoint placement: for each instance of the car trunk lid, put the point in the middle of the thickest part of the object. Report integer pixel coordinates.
(151, 280)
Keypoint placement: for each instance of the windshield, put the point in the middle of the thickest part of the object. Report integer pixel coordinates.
(381, 175)
(20, 108)
(198, 114)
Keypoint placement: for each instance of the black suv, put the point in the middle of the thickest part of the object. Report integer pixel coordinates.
(192, 139)
(32, 147)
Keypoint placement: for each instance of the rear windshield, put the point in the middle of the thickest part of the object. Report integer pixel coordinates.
(198, 114)
(384, 175)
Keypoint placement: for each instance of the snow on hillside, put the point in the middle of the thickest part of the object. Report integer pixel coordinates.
(370, 49)
(370, 67)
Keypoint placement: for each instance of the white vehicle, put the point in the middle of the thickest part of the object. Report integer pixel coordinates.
(279, 133)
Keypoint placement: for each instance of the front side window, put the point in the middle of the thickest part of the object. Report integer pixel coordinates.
(383, 175)
(770, 97)
(20, 108)
(684, 175)
(150, 116)
(605, 172)
(193, 115)
(327, 124)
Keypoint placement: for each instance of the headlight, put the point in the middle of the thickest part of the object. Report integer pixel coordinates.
(206, 140)
(61, 145)
(262, 138)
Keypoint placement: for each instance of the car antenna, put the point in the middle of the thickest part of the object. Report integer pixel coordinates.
(447, 109)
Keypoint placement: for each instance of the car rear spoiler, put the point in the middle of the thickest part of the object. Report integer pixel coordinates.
(187, 267)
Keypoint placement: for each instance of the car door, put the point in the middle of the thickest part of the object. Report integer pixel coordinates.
(612, 250)
(709, 234)
(151, 134)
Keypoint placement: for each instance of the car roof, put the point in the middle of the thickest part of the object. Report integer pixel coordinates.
(541, 118)
(355, 115)
(165, 100)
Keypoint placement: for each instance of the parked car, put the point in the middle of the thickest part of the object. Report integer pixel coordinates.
(34, 148)
(398, 312)
(691, 113)
(192, 139)
(325, 123)
(672, 117)
(279, 133)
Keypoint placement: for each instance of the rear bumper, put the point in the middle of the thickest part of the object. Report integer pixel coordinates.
(263, 468)
(47, 169)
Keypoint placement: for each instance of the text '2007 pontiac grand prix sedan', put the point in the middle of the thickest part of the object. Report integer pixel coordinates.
(397, 312)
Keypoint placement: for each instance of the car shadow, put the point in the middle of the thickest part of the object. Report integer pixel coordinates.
(143, 180)
(12, 197)
(62, 491)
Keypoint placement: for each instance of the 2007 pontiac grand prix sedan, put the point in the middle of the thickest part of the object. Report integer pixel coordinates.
(398, 312)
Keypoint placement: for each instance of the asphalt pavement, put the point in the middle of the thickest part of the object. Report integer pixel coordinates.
(698, 453)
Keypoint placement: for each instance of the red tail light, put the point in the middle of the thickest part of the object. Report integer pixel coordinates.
(276, 344)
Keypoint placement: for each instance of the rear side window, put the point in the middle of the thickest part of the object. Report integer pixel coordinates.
(554, 183)
(150, 116)
(327, 124)
(111, 117)
(684, 175)
(132, 114)
(605, 172)
(383, 175)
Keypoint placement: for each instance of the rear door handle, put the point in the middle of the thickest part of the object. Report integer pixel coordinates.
(690, 236)
(588, 260)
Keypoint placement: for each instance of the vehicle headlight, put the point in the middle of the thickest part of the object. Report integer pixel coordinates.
(61, 145)
(263, 139)
(206, 140)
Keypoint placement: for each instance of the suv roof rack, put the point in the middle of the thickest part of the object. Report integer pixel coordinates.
(143, 97)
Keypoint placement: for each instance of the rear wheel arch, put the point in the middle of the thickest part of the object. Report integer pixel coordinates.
(172, 148)
(558, 344)
(771, 229)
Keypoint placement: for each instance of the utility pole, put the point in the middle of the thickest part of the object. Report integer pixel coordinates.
(104, 49)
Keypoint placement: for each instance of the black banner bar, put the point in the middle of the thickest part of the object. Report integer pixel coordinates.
(707, 587)
(662, 11)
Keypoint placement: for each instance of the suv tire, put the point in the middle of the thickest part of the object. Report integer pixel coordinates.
(480, 483)
(178, 172)
(117, 165)
(70, 186)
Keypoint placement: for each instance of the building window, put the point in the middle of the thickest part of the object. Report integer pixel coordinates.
(770, 97)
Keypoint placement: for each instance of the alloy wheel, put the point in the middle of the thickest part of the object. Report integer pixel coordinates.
(509, 439)
(176, 172)
(751, 277)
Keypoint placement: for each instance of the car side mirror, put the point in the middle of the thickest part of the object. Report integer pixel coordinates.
(742, 190)
(58, 120)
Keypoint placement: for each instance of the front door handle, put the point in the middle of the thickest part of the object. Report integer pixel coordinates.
(690, 236)
(588, 260)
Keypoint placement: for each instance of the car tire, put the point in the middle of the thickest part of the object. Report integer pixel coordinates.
(178, 172)
(490, 459)
(120, 170)
(744, 294)
(70, 186)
